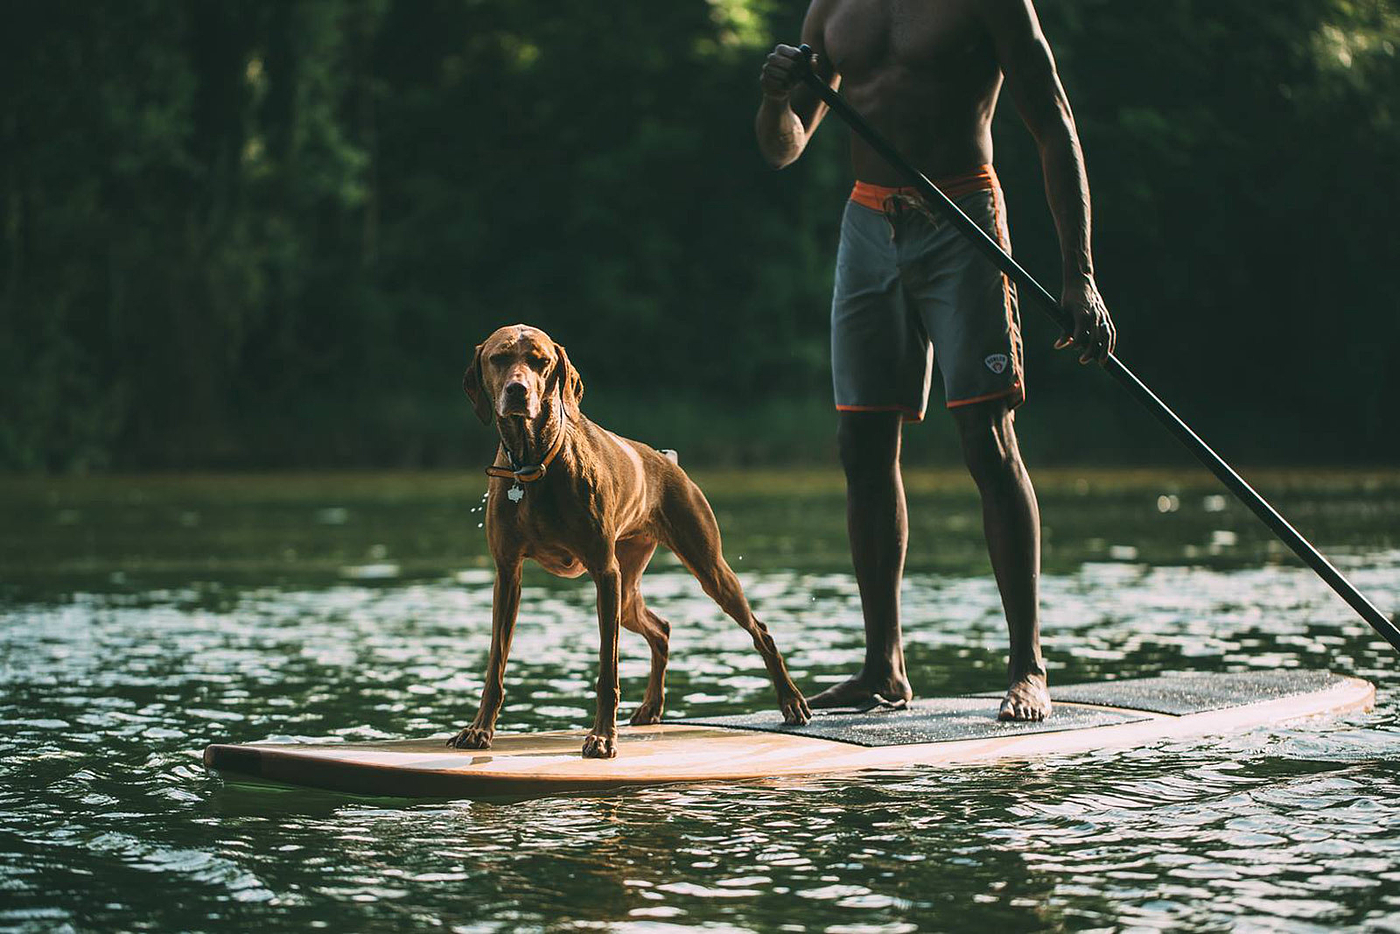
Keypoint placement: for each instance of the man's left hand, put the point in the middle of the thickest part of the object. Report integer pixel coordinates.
(1093, 328)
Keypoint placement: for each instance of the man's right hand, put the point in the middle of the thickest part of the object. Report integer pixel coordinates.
(781, 72)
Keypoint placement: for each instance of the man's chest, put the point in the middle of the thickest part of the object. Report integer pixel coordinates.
(864, 38)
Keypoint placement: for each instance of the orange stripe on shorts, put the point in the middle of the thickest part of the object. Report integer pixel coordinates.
(982, 178)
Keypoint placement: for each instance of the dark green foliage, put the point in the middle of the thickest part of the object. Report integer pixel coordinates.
(268, 233)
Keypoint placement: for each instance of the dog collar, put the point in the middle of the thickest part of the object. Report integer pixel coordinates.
(531, 473)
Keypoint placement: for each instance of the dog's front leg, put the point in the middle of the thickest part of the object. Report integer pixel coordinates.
(601, 743)
(505, 605)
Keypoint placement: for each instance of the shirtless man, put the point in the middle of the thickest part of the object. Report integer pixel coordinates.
(926, 74)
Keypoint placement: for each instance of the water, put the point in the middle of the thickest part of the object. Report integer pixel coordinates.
(144, 618)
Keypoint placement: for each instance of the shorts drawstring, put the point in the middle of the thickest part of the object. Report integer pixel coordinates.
(895, 202)
(900, 203)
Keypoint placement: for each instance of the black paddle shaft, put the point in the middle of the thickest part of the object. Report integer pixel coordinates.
(1115, 368)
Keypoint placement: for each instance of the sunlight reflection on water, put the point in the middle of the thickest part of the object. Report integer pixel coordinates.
(107, 819)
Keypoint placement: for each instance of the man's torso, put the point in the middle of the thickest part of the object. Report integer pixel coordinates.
(922, 72)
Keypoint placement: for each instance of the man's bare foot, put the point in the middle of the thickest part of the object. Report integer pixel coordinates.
(1027, 699)
(865, 692)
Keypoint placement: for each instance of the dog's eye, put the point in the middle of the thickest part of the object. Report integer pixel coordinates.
(537, 362)
(500, 359)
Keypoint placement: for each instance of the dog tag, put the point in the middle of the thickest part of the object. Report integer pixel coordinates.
(516, 493)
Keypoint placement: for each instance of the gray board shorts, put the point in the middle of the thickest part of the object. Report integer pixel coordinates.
(909, 288)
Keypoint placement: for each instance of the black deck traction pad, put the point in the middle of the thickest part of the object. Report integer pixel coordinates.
(945, 719)
(1196, 692)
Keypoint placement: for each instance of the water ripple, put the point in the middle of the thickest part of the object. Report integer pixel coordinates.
(107, 819)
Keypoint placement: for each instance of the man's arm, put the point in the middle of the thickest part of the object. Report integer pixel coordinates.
(1035, 88)
(790, 112)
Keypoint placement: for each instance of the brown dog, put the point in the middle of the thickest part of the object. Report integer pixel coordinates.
(577, 498)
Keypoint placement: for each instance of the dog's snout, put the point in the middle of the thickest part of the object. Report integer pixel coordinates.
(517, 399)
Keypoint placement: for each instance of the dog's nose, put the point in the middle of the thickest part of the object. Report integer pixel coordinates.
(515, 390)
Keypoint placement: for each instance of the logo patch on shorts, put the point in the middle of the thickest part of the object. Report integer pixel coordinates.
(997, 362)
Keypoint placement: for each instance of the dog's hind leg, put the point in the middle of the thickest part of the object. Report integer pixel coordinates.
(693, 534)
(633, 557)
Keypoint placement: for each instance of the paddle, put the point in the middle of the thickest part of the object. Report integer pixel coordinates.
(1115, 368)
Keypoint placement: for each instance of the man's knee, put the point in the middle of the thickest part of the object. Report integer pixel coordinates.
(989, 445)
(869, 443)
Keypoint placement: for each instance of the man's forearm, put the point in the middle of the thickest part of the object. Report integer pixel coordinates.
(781, 136)
(1067, 190)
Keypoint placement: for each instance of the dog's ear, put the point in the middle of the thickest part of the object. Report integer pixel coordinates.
(570, 383)
(475, 389)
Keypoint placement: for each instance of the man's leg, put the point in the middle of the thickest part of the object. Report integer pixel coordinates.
(879, 531)
(1011, 519)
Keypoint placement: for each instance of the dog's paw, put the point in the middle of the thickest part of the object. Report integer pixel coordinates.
(647, 714)
(599, 747)
(472, 737)
(795, 710)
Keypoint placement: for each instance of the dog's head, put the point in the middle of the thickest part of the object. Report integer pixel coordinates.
(516, 371)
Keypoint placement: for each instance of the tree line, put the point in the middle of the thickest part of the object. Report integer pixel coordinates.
(253, 233)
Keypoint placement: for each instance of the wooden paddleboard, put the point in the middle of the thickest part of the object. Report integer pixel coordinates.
(932, 732)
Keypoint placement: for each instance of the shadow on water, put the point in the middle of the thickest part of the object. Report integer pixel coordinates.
(142, 619)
